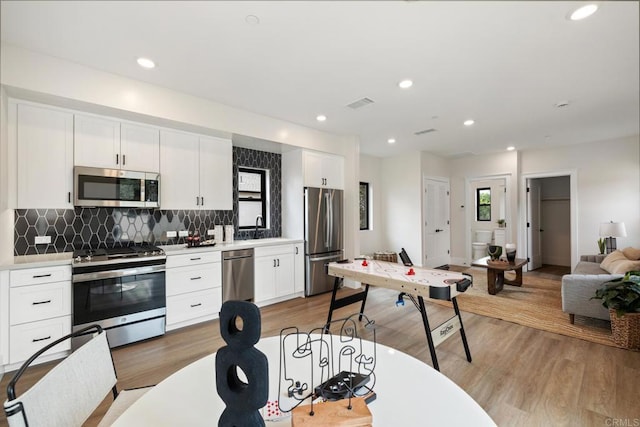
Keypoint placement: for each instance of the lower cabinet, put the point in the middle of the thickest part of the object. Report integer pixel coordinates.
(39, 311)
(194, 288)
(274, 272)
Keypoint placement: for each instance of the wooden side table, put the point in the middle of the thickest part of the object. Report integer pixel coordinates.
(495, 272)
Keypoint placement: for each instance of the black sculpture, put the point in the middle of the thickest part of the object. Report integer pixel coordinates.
(240, 327)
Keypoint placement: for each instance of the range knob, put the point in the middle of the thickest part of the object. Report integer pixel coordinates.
(146, 253)
(78, 258)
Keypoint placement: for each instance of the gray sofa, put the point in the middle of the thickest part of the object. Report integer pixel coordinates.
(579, 286)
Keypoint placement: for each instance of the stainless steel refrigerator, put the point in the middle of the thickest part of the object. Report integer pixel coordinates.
(323, 236)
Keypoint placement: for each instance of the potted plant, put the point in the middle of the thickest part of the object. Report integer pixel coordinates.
(502, 223)
(601, 245)
(622, 298)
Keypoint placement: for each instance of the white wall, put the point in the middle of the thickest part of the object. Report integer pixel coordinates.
(6, 214)
(608, 185)
(372, 240)
(41, 78)
(402, 204)
(463, 172)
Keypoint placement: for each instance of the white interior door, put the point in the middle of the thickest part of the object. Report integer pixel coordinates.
(534, 237)
(436, 227)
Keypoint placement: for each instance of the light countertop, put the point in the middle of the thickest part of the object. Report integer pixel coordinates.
(65, 258)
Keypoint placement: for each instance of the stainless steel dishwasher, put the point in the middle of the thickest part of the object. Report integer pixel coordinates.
(237, 275)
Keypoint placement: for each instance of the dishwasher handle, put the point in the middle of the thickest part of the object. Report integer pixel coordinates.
(237, 257)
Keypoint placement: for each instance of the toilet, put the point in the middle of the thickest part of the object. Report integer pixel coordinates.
(481, 238)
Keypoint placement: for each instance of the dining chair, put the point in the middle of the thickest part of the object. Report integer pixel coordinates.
(71, 391)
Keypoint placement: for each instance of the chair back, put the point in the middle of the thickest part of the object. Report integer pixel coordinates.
(68, 394)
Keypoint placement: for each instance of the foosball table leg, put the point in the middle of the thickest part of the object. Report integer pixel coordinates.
(462, 334)
(427, 329)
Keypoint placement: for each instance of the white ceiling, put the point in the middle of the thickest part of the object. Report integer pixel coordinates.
(503, 64)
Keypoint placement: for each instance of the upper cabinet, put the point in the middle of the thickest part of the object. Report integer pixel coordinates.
(106, 143)
(323, 170)
(45, 157)
(196, 171)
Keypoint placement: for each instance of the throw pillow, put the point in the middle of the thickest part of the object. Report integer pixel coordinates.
(617, 263)
(631, 253)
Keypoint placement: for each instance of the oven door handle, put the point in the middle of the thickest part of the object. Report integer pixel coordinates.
(123, 272)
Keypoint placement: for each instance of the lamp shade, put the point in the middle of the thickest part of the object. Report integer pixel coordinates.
(612, 229)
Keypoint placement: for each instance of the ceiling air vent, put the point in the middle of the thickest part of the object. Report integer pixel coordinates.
(422, 132)
(360, 103)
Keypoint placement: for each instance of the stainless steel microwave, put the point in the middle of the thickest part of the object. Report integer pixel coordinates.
(115, 188)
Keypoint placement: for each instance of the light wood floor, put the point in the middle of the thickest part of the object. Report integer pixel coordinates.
(520, 376)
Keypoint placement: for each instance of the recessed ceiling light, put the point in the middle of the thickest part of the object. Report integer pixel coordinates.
(511, 148)
(391, 140)
(468, 122)
(321, 117)
(252, 20)
(583, 12)
(146, 63)
(405, 84)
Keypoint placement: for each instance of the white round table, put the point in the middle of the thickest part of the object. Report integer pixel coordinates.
(409, 393)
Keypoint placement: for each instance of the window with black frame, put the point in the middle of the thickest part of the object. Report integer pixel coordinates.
(253, 198)
(483, 204)
(364, 206)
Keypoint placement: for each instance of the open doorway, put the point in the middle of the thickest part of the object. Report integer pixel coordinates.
(548, 224)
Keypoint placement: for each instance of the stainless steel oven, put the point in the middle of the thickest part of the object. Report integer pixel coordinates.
(125, 293)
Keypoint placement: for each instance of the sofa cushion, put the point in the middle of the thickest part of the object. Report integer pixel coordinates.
(617, 263)
(631, 253)
(585, 267)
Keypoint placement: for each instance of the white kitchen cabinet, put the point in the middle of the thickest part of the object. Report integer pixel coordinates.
(274, 272)
(102, 142)
(194, 288)
(140, 147)
(45, 157)
(298, 267)
(323, 170)
(303, 168)
(216, 173)
(196, 171)
(39, 311)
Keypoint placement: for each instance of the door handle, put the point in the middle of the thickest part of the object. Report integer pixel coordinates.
(117, 158)
(124, 160)
(39, 276)
(196, 278)
(41, 339)
(278, 262)
(196, 305)
(41, 302)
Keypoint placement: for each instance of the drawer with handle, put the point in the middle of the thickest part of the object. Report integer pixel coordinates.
(39, 302)
(26, 339)
(184, 260)
(36, 276)
(190, 279)
(181, 308)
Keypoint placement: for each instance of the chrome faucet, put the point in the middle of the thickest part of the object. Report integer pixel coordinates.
(259, 222)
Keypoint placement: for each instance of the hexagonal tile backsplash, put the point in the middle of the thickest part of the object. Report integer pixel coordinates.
(72, 229)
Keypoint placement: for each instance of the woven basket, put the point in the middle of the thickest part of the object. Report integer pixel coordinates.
(626, 329)
(386, 256)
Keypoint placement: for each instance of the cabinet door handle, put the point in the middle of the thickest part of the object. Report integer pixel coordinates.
(195, 259)
(196, 305)
(117, 158)
(201, 201)
(69, 196)
(278, 262)
(296, 250)
(39, 276)
(197, 201)
(124, 159)
(196, 278)
(274, 262)
(41, 339)
(41, 302)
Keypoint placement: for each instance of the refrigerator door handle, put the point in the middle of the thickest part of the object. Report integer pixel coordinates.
(327, 218)
(324, 258)
(331, 220)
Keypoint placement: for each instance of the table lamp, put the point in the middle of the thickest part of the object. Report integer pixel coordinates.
(611, 230)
